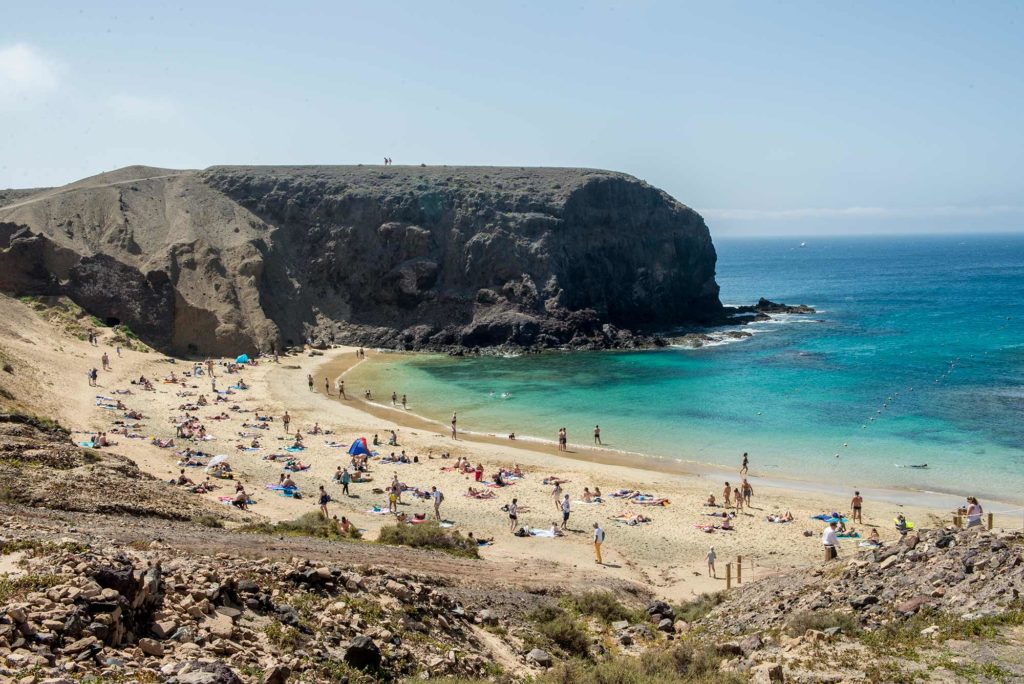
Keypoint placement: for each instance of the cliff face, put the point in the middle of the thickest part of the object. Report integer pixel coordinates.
(242, 258)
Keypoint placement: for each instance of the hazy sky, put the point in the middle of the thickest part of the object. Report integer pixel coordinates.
(767, 117)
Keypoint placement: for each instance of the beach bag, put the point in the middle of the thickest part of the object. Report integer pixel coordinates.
(521, 532)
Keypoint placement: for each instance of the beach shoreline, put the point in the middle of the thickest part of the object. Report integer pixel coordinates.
(340, 365)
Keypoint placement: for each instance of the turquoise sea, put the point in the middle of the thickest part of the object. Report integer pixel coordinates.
(916, 356)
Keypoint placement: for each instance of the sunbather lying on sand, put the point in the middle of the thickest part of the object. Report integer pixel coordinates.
(474, 493)
(554, 479)
(631, 518)
(776, 518)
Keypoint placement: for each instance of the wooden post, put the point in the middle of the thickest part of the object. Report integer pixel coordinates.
(956, 521)
(739, 569)
(990, 521)
(728, 575)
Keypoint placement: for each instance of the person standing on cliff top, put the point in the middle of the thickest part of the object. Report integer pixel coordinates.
(454, 421)
(597, 434)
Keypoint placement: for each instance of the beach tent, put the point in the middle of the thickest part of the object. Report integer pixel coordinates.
(243, 358)
(359, 448)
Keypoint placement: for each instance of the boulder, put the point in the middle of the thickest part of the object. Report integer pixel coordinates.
(767, 673)
(863, 601)
(363, 653)
(277, 674)
(151, 647)
(540, 657)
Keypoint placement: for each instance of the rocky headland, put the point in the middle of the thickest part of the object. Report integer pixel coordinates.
(233, 259)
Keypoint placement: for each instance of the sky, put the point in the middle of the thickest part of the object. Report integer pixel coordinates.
(797, 118)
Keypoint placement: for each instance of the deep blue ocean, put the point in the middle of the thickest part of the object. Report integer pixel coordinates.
(916, 356)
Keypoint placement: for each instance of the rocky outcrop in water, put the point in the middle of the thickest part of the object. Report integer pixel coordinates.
(246, 258)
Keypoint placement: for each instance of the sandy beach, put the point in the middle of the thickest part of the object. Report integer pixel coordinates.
(666, 553)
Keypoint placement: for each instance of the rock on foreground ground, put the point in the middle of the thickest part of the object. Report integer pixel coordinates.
(234, 259)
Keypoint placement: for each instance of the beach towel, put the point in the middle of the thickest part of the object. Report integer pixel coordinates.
(88, 445)
(588, 503)
(828, 518)
(542, 533)
(293, 449)
(484, 543)
(250, 449)
(848, 535)
(377, 510)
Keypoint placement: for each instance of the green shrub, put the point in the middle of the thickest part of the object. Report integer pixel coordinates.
(282, 636)
(602, 605)
(12, 588)
(821, 620)
(429, 535)
(556, 627)
(691, 611)
(682, 664)
(311, 524)
(209, 521)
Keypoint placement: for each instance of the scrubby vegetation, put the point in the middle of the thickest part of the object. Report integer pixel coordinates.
(429, 535)
(602, 605)
(687, 663)
(821, 620)
(311, 524)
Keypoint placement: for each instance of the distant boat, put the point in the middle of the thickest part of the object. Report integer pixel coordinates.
(803, 244)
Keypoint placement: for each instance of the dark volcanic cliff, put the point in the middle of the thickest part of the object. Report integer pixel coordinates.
(242, 258)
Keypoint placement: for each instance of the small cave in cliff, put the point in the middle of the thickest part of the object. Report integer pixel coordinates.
(111, 321)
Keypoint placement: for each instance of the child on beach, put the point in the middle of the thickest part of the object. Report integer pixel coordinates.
(710, 558)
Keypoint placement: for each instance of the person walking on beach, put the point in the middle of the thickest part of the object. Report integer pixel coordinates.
(513, 515)
(556, 494)
(727, 495)
(748, 492)
(856, 504)
(455, 419)
(106, 361)
(830, 541)
(327, 387)
(403, 401)
(309, 379)
(341, 389)
(438, 498)
(394, 398)
(974, 512)
(346, 478)
(737, 499)
(710, 558)
(745, 468)
(565, 511)
(597, 434)
(325, 499)
(92, 377)
(287, 420)
(598, 540)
